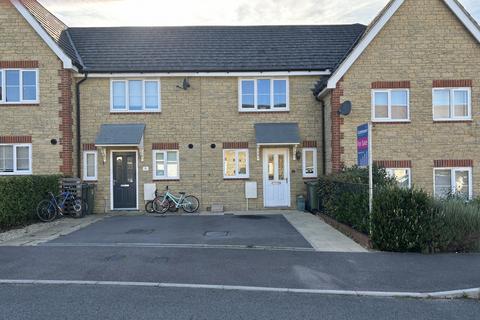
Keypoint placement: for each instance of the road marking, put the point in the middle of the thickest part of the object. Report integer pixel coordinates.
(470, 293)
(181, 246)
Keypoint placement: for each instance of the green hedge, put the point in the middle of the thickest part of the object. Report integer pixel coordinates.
(19, 196)
(402, 220)
(344, 196)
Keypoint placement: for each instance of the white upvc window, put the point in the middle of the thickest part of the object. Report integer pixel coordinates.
(90, 166)
(391, 105)
(309, 162)
(235, 164)
(452, 104)
(166, 165)
(263, 95)
(135, 95)
(453, 181)
(15, 159)
(403, 176)
(18, 86)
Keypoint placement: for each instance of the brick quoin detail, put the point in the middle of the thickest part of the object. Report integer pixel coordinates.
(337, 122)
(393, 163)
(15, 139)
(452, 163)
(235, 145)
(66, 122)
(452, 83)
(309, 144)
(19, 64)
(89, 147)
(391, 85)
(165, 146)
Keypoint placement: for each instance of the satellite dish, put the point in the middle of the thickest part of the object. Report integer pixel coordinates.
(345, 108)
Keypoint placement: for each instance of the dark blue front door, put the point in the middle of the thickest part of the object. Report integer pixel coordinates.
(124, 180)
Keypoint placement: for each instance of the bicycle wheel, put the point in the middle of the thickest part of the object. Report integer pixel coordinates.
(46, 211)
(161, 205)
(190, 204)
(149, 207)
(79, 207)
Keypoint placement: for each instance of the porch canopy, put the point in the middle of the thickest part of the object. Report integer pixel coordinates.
(120, 135)
(277, 134)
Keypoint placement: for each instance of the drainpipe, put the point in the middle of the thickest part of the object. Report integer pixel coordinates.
(79, 151)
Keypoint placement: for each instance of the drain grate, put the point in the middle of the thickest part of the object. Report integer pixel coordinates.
(140, 231)
(216, 234)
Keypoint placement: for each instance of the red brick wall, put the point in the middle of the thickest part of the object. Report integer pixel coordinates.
(235, 145)
(15, 139)
(19, 64)
(391, 85)
(336, 123)
(88, 147)
(309, 144)
(452, 163)
(165, 146)
(66, 122)
(394, 163)
(452, 83)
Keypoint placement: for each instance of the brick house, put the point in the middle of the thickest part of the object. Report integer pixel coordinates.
(212, 110)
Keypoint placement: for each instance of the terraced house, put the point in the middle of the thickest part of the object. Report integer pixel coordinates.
(226, 112)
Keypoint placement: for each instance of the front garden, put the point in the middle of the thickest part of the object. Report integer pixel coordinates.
(403, 220)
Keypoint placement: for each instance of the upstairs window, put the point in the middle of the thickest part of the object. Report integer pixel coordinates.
(263, 95)
(390, 105)
(135, 96)
(451, 104)
(18, 86)
(15, 159)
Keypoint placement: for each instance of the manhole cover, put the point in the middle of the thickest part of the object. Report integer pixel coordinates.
(140, 231)
(216, 234)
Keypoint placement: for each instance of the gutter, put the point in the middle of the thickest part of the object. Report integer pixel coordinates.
(78, 142)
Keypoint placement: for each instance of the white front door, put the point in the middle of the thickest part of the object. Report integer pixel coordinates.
(276, 177)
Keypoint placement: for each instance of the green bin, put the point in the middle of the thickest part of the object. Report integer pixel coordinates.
(88, 194)
(312, 203)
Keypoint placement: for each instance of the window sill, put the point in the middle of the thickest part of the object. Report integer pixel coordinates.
(263, 111)
(165, 179)
(16, 174)
(90, 180)
(35, 104)
(135, 112)
(310, 178)
(452, 121)
(391, 122)
(236, 179)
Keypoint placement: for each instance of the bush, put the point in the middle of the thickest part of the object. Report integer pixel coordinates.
(457, 225)
(402, 219)
(19, 197)
(344, 196)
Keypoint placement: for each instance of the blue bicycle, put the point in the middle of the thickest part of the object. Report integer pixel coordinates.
(65, 203)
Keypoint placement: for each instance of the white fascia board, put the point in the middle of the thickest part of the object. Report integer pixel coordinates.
(360, 48)
(460, 13)
(67, 62)
(208, 74)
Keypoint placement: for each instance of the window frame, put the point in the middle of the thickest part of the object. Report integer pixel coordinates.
(165, 161)
(453, 170)
(85, 165)
(389, 106)
(237, 176)
(451, 91)
(15, 170)
(409, 170)
(315, 166)
(3, 86)
(255, 95)
(126, 109)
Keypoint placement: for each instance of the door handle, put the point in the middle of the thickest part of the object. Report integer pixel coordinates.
(124, 185)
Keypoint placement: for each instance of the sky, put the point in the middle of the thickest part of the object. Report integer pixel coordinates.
(77, 13)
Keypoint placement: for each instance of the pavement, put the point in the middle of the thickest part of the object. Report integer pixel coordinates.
(54, 302)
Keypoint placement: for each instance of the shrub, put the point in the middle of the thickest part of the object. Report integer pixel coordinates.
(457, 225)
(19, 197)
(344, 196)
(402, 219)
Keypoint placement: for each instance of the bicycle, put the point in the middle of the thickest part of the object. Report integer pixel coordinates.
(168, 201)
(48, 210)
(149, 204)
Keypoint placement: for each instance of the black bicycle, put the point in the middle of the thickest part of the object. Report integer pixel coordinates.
(65, 203)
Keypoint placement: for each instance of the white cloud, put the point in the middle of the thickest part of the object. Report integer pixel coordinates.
(219, 12)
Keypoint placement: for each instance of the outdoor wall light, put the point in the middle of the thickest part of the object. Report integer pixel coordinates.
(298, 155)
